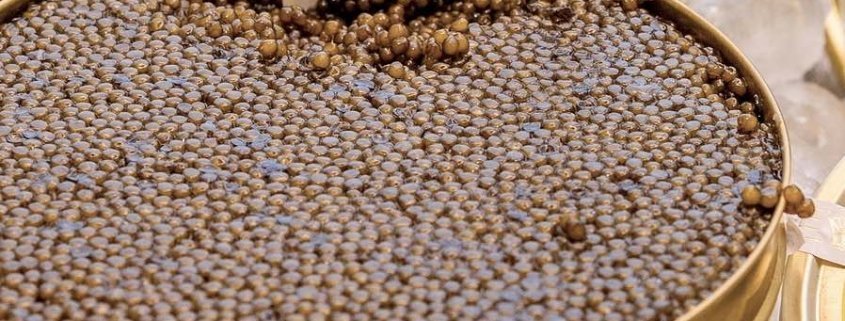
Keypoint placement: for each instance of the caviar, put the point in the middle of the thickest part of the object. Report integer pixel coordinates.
(793, 195)
(751, 195)
(369, 32)
(185, 160)
(320, 60)
(797, 203)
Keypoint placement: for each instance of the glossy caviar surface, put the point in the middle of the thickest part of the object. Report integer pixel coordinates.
(174, 160)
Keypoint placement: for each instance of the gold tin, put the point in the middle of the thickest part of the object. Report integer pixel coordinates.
(751, 293)
(10, 8)
(815, 289)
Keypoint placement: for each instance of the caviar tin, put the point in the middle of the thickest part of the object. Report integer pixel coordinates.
(815, 289)
(752, 293)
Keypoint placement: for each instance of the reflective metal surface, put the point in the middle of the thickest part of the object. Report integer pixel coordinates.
(751, 293)
(815, 288)
(10, 8)
(835, 36)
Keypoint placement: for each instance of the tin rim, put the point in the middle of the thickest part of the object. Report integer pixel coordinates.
(10, 8)
(704, 32)
(835, 39)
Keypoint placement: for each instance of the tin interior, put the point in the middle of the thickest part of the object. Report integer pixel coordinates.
(751, 293)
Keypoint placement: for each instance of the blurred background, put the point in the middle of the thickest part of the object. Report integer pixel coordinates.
(798, 47)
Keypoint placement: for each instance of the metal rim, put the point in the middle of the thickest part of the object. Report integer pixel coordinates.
(704, 32)
(803, 286)
(9, 8)
(708, 34)
(800, 287)
(835, 39)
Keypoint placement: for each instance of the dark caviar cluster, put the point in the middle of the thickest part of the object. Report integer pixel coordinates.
(407, 32)
(413, 30)
(185, 160)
